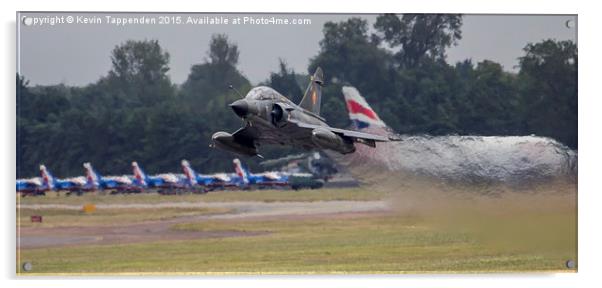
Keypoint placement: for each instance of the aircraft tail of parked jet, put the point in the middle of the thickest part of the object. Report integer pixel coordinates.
(191, 175)
(360, 112)
(47, 178)
(241, 171)
(313, 94)
(93, 179)
(139, 175)
(49, 182)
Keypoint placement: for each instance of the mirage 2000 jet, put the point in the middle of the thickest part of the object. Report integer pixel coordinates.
(271, 118)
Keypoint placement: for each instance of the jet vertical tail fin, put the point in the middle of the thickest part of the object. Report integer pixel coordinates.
(313, 95)
(139, 174)
(360, 112)
(92, 178)
(189, 172)
(47, 178)
(241, 171)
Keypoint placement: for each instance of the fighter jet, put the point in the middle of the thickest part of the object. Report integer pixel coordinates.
(49, 182)
(271, 118)
(31, 186)
(208, 182)
(161, 181)
(246, 179)
(96, 182)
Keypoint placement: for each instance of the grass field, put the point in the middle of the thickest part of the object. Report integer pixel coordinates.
(461, 237)
(108, 217)
(357, 194)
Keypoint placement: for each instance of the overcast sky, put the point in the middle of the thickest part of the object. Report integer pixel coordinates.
(78, 54)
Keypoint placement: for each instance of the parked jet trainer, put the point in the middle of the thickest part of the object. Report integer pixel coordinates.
(165, 183)
(271, 118)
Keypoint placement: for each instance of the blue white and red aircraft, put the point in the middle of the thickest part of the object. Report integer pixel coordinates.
(160, 181)
(246, 179)
(31, 186)
(95, 181)
(73, 184)
(209, 182)
(140, 181)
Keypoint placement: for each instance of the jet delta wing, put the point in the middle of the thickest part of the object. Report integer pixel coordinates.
(359, 137)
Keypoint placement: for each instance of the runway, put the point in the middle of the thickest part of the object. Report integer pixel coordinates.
(38, 237)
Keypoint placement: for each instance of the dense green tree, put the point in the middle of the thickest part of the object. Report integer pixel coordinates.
(221, 52)
(549, 91)
(349, 56)
(428, 100)
(104, 123)
(205, 96)
(285, 82)
(139, 73)
(419, 36)
(24, 123)
(491, 102)
(207, 83)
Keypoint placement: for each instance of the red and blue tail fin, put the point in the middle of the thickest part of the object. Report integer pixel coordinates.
(241, 171)
(47, 178)
(139, 175)
(360, 112)
(92, 178)
(189, 172)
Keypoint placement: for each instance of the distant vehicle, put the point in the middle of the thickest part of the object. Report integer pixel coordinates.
(246, 179)
(273, 119)
(316, 163)
(305, 180)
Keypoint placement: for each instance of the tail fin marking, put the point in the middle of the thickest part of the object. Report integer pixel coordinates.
(313, 94)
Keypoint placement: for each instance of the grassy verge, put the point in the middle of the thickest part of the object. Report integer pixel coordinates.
(390, 243)
(218, 196)
(108, 217)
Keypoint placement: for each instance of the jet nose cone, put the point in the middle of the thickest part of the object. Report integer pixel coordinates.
(240, 107)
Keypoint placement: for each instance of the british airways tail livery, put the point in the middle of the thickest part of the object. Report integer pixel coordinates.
(360, 113)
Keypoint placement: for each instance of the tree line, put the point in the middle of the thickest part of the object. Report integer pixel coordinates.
(135, 112)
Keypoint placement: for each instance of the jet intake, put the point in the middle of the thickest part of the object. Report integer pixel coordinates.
(226, 141)
(279, 115)
(326, 139)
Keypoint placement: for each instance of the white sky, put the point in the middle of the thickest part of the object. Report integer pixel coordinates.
(78, 54)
